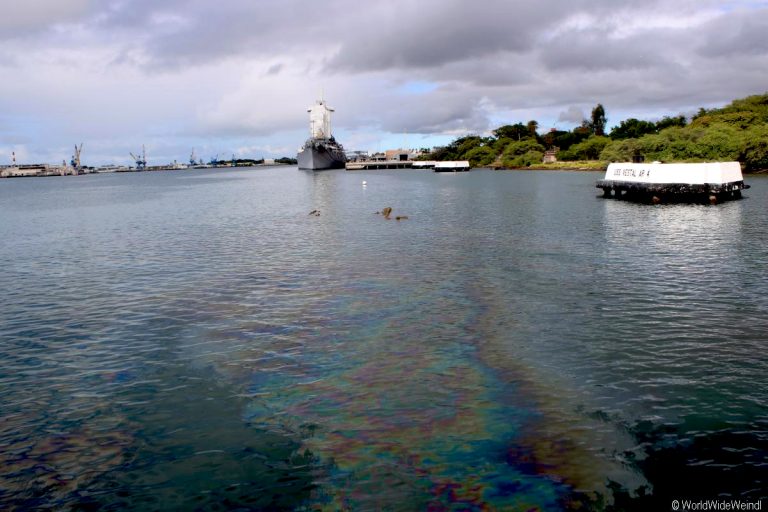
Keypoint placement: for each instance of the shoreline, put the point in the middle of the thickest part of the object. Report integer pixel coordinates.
(579, 167)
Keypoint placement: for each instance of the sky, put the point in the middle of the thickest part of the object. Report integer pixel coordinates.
(235, 77)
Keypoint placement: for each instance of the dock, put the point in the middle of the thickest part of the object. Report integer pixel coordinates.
(35, 170)
(360, 165)
(379, 164)
(452, 166)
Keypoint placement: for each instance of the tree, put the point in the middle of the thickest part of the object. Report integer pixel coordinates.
(516, 131)
(501, 144)
(522, 147)
(741, 119)
(755, 151)
(702, 112)
(598, 120)
(549, 138)
(589, 149)
(623, 150)
(632, 129)
(522, 154)
(668, 121)
(481, 156)
(585, 128)
(564, 140)
(533, 126)
(466, 144)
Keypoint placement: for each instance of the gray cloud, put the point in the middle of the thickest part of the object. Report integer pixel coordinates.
(572, 115)
(591, 51)
(446, 110)
(738, 34)
(179, 33)
(35, 16)
(415, 35)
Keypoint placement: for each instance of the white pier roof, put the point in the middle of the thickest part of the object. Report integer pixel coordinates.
(659, 173)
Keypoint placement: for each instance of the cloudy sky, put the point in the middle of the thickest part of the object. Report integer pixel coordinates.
(236, 76)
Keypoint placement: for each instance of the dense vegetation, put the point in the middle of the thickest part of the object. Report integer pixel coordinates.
(738, 131)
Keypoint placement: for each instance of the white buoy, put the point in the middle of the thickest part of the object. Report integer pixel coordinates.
(365, 183)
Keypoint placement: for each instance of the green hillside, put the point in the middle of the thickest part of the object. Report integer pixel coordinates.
(738, 131)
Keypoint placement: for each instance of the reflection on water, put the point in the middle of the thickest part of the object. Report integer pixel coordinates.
(190, 339)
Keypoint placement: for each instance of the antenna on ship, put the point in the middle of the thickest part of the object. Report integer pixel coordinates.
(13, 155)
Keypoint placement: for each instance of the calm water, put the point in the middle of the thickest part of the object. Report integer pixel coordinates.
(195, 340)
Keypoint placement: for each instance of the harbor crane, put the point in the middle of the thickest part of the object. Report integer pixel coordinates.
(141, 162)
(75, 161)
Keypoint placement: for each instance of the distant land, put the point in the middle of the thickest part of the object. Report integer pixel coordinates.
(736, 132)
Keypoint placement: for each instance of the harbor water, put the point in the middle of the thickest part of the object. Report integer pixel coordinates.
(195, 340)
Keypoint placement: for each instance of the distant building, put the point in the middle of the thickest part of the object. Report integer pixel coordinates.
(36, 170)
(401, 155)
(357, 156)
(550, 156)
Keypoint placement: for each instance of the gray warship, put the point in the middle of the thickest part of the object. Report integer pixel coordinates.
(321, 150)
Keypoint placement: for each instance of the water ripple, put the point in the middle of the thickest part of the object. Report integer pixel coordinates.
(178, 340)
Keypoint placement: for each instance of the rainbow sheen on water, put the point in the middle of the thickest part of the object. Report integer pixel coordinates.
(196, 340)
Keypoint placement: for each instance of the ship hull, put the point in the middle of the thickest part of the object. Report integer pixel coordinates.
(319, 156)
